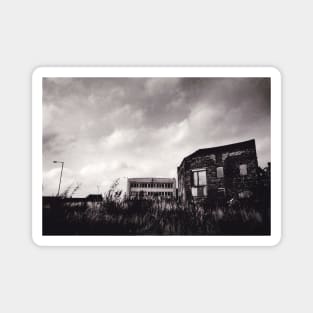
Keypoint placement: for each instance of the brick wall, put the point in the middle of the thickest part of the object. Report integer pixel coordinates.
(229, 158)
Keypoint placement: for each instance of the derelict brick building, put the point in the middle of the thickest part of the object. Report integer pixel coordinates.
(218, 172)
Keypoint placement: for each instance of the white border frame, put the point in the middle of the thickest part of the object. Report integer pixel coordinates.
(276, 142)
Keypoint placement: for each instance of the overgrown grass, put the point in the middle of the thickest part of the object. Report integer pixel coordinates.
(117, 215)
(146, 217)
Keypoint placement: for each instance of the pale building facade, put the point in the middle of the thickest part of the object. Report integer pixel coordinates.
(151, 187)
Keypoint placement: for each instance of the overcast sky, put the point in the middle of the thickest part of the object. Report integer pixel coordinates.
(105, 128)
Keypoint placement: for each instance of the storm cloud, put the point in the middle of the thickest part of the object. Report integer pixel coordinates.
(106, 128)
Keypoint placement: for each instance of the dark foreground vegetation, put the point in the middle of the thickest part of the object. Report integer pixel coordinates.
(116, 216)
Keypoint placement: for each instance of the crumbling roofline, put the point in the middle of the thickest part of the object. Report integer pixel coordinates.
(243, 145)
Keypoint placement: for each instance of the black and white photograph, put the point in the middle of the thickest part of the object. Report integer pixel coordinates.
(156, 156)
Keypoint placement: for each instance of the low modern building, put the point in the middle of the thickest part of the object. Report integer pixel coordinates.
(218, 172)
(151, 187)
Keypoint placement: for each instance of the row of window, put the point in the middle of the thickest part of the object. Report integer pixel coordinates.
(156, 193)
(200, 179)
(151, 185)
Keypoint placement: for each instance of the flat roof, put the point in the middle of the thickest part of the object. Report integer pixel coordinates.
(151, 179)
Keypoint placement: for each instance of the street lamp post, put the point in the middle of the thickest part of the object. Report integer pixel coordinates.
(60, 175)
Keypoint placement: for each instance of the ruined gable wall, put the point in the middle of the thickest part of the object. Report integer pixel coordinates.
(230, 160)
